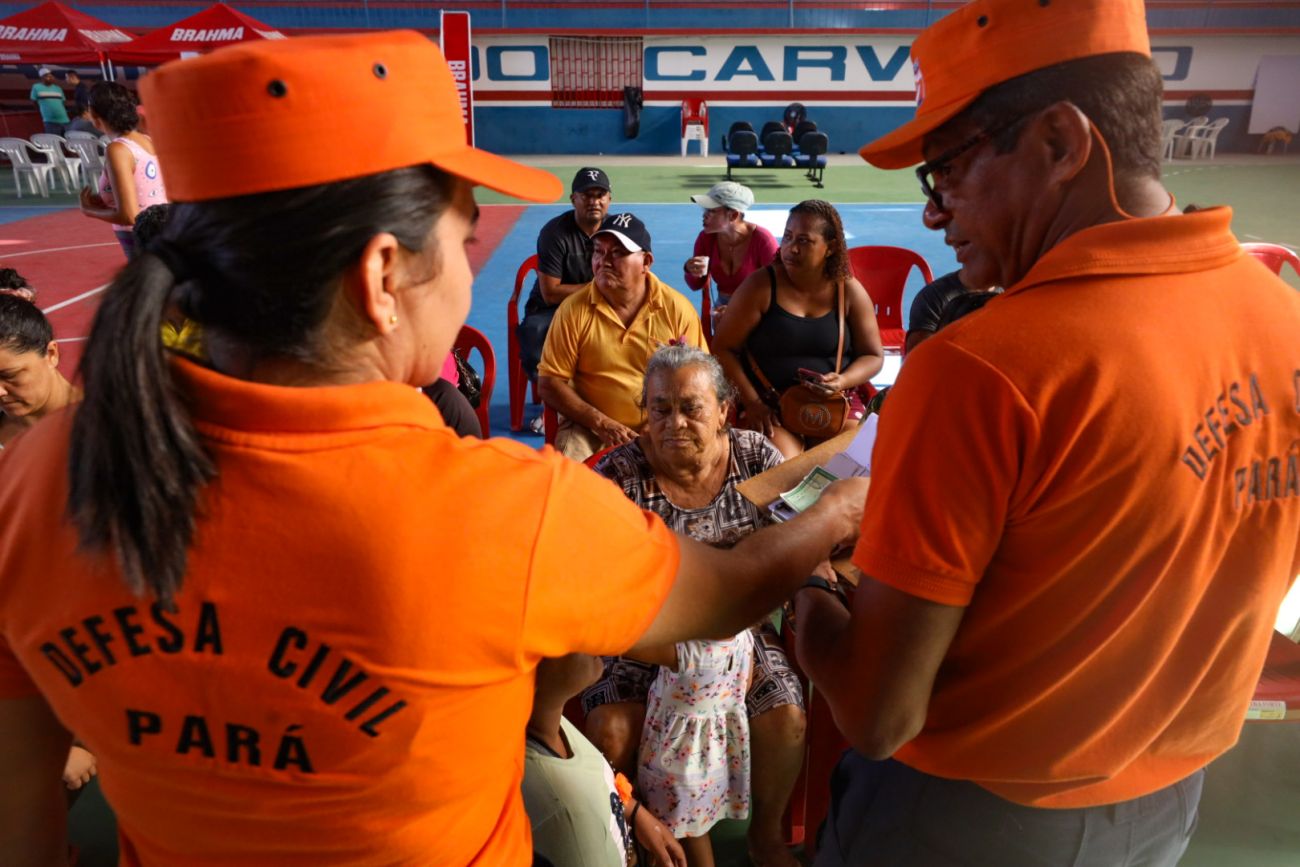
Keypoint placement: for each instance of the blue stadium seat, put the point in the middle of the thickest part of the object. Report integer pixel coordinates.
(742, 151)
(812, 155)
(778, 149)
(738, 126)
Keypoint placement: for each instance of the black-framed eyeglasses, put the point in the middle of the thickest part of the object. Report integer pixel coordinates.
(926, 171)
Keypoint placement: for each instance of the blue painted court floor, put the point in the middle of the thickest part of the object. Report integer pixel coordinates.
(673, 229)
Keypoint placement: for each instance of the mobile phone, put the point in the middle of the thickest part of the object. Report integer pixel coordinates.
(810, 376)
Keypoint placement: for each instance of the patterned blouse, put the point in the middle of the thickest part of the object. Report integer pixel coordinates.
(723, 522)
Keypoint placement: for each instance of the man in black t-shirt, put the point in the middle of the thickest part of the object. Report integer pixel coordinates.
(926, 315)
(563, 261)
(80, 91)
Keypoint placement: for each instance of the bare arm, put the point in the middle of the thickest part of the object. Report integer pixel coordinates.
(33, 807)
(875, 666)
(121, 172)
(866, 340)
(696, 274)
(564, 399)
(553, 291)
(744, 310)
(915, 338)
(719, 592)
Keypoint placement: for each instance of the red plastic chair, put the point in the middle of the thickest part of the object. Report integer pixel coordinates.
(706, 310)
(550, 424)
(518, 379)
(471, 338)
(883, 271)
(595, 459)
(695, 124)
(1274, 256)
(1277, 697)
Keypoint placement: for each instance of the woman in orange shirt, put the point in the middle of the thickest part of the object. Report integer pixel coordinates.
(295, 617)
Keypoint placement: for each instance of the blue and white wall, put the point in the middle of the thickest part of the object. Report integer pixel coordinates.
(855, 86)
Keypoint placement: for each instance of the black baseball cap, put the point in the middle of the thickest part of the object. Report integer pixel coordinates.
(589, 177)
(629, 230)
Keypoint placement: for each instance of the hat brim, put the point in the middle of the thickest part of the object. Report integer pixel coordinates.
(501, 174)
(902, 147)
(705, 202)
(628, 244)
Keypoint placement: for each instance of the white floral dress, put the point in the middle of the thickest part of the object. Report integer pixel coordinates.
(694, 759)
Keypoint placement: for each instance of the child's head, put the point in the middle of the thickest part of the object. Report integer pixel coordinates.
(13, 283)
(148, 225)
(560, 679)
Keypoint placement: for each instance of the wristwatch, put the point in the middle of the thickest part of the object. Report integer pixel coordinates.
(821, 584)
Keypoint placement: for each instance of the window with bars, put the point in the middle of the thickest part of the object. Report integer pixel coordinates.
(591, 71)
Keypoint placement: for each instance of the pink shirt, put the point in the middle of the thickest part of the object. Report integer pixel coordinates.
(758, 254)
(149, 187)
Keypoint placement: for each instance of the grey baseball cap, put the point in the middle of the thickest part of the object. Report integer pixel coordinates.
(727, 194)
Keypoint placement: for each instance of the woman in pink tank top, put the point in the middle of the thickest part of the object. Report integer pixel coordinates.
(132, 180)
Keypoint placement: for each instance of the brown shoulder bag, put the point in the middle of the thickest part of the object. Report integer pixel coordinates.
(803, 411)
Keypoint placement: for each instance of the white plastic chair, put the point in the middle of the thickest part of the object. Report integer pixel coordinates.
(56, 148)
(1204, 143)
(17, 151)
(92, 164)
(1167, 137)
(1183, 138)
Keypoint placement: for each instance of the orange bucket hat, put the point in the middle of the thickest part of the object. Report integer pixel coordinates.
(279, 114)
(988, 42)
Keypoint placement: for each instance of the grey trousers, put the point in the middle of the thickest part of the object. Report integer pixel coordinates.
(885, 814)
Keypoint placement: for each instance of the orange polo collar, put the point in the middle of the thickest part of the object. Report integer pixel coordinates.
(1151, 245)
(220, 402)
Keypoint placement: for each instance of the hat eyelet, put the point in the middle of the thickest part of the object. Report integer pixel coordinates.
(277, 88)
(380, 70)
(1044, 2)
(982, 21)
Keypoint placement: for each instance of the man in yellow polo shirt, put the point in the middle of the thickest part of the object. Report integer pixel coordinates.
(602, 337)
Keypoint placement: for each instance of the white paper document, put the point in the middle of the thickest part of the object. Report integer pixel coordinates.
(855, 461)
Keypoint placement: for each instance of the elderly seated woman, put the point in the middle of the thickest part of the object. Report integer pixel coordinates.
(31, 385)
(685, 466)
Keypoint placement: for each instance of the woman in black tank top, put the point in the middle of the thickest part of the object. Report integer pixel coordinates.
(786, 318)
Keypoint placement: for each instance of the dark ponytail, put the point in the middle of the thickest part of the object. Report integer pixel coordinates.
(259, 272)
(136, 464)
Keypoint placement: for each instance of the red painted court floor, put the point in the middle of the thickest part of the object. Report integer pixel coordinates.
(70, 259)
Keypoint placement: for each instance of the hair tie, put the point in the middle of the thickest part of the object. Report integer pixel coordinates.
(171, 256)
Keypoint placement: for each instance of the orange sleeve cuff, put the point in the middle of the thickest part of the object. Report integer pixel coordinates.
(624, 789)
(913, 580)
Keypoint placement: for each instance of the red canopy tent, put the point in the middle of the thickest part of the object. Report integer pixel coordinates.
(54, 33)
(214, 27)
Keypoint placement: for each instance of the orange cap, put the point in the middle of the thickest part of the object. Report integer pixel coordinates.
(284, 113)
(988, 42)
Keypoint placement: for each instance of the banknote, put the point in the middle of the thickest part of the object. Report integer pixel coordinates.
(807, 491)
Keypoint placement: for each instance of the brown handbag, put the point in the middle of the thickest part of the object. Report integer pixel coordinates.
(803, 411)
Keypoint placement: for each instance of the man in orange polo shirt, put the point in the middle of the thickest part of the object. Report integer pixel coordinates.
(1085, 508)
